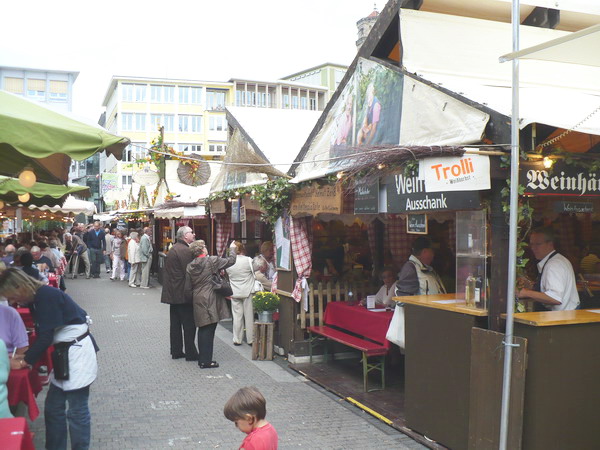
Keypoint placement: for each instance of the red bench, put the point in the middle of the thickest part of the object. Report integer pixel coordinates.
(368, 349)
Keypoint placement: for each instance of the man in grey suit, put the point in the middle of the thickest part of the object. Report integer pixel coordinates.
(146, 257)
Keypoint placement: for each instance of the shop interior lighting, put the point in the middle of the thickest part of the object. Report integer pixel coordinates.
(548, 163)
(27, 177)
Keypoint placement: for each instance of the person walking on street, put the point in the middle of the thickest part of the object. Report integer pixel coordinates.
(209, 305)
(96, 246)
(241, 278)
(117, 252)
(108, 237)
(146, 257)
(181, 310)
(133, 255)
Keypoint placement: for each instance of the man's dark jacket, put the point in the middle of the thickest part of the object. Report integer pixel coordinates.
(177, 260)
(94, 241)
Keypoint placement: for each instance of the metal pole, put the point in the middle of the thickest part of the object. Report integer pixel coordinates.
(512, 241)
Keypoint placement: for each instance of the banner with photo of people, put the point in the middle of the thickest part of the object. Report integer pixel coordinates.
(366, 114)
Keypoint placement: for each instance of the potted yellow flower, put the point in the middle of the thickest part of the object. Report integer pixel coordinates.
(264, 304)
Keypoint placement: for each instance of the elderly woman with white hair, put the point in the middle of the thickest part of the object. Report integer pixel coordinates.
(62, 323)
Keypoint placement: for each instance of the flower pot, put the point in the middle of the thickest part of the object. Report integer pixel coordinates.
(265, 316)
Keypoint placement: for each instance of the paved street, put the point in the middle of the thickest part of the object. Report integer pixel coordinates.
(144, 400)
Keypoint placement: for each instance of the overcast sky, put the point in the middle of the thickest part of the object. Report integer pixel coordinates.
(195, 39)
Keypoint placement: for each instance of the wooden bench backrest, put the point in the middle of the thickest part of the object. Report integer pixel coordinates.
(322, 293)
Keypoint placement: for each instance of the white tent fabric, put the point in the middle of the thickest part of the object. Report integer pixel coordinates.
(190, 212)
(71, 205)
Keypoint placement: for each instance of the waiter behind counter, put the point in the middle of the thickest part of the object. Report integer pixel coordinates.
(555, 288)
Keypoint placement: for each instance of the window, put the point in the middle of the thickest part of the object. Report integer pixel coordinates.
(126, 179)
(313, 104)
(162, 94)
(217, 147)
(239, 98)
(189, 148)
(295, 102)
(190, 94)
(127, 121)
(217, 123)
(166, 120)
(140, 122)
(133, 92)
(134, 151)
(286, 101)
(190, 124)
(262, 99)
(58, 90)
(302, 102)
(36, 88)
(215, 99)
(14, 85)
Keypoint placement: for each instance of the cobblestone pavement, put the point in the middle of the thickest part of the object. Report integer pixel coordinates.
(143, 399)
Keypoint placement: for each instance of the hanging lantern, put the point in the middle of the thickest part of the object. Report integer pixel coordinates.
(1, 204)
(27, 177)
(23, 198)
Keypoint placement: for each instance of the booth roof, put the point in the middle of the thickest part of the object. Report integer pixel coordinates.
(71, 205)
(278, 133)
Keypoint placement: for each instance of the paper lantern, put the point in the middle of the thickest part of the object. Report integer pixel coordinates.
(27, 178)
(24, 197)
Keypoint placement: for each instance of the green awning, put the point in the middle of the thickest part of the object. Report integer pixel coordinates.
(31, 131)
(40, 193)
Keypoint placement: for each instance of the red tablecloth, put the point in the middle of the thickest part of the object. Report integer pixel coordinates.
(23, 385)
(46, 358)
(53, 280)
(25, 314)
(15, 435)
(359, 320)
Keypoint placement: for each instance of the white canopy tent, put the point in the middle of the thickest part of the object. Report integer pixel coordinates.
(72, 205)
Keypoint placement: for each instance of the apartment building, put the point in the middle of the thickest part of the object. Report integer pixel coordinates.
(52, 88)
(327, 75)
(192, 113)
(280, 94)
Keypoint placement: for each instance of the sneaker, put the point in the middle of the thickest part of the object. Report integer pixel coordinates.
(132, 285)
(144, 287)
(112, 279)
(87, 277)
(108, 271)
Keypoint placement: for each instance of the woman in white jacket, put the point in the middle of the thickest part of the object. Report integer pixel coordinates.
(241, 277)
(133, 256)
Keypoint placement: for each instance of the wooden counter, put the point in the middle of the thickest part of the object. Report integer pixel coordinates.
(437, 366)
(438, 302)
(562, 398)
(555, 318)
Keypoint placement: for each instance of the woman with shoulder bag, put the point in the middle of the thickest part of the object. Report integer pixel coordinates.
(62, 323)
(241, 277)
(201, 279)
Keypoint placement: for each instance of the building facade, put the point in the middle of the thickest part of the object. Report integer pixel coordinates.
(192, 113)
(328, 75)
(52, 88)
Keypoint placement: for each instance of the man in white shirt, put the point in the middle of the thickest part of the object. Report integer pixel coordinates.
(556, 287)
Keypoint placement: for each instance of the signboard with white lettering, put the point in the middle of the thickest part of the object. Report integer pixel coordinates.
(573, 207)
(416, 224)
(408, 194)
(451, 173)
(366, 198)
(235, 210)
(561, 179)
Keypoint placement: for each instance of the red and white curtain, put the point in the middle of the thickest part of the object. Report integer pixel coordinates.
(223, 231)
(301, 240)
(398, 241)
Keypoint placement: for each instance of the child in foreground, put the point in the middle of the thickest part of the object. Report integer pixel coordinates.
(247, 408)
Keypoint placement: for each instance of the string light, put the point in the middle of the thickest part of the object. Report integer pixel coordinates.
(381, 166)
(339, 175)
(548, 163)
(1, 204)
(27, 177)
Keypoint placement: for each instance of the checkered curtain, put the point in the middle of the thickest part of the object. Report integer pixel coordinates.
(223, 232)
(372, 235)
(301, 237)
(586, 227)
(398, 240)
(567, 232)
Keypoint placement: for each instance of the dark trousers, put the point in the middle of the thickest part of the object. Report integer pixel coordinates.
(96, 258)
(206, 338)
(182, 317)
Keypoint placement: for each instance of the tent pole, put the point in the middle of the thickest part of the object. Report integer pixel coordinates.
(512, 241)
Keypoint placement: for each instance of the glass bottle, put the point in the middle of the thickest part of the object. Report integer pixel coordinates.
(470, 290)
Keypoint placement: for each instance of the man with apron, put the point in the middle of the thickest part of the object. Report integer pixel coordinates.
(555, 288)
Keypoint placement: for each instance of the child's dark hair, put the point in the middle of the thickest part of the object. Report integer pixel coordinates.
(248, 400)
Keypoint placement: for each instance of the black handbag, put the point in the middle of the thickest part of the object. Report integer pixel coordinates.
(221, 284)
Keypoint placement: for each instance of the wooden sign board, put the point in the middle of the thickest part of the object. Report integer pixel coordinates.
(218, 207)
(416, 224)
(317, 199)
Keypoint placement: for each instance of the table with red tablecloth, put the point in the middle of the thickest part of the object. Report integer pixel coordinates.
(25, 314)
(359, 320)
(15, 435)
(46, 359)
(53, 280)
(23, 385)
